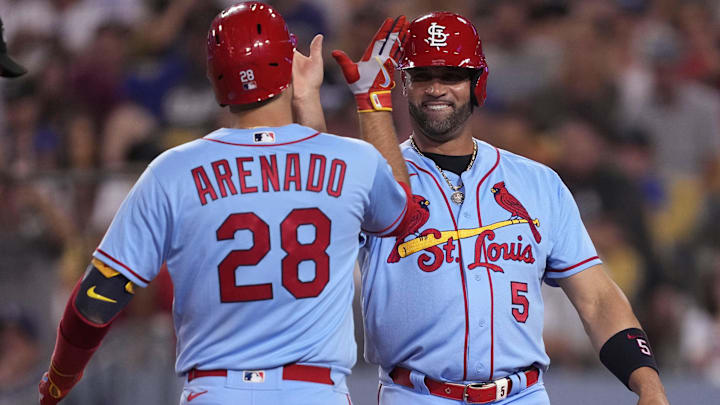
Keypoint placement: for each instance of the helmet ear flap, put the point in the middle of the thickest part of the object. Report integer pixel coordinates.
(479, 87)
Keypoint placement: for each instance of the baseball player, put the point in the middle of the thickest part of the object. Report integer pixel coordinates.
(258, 225)
(452, 305)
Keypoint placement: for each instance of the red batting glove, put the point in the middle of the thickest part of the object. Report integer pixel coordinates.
(54, 386)
(371, 78)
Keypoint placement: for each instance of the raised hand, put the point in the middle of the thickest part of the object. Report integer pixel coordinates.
(307, 71)
(307, 77)
(371, 78)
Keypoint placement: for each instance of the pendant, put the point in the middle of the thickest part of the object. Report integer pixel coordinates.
(457, 197)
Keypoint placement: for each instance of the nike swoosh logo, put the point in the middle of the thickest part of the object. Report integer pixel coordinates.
(92, 294)
(384, 72)
(194, 395)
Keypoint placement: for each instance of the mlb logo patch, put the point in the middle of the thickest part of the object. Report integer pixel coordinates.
(264, 137)
(254, 376)
(249, 85)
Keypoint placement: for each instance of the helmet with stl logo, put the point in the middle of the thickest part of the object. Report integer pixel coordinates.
(446, 39)
(249, 54)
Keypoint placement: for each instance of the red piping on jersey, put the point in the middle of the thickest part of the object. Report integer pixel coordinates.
(460, 264)
(124, 266)
(477, 192)
(492, 318)
(251, 144)
(492, 299)
(573, 266)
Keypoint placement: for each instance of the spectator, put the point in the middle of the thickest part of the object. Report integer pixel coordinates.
(20, 356)
(681, 117)
(521, 63)
(700, 328)
(610, 205)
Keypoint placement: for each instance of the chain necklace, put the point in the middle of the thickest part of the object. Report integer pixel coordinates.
(457, 196)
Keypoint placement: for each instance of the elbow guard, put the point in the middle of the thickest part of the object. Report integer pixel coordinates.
(103, 293)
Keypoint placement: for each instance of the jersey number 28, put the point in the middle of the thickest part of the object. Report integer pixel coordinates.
(296, 253)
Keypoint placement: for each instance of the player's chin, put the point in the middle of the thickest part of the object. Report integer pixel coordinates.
(440, 124)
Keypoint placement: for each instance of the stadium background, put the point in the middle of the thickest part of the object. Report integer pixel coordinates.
(619, 96)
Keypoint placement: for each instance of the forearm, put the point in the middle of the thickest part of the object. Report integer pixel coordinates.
(645, 382)
(308, 111)
(93, 305)
(377, 128)
(606, 313)
(615, 332)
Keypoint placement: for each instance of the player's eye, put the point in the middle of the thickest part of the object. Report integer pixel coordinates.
(421, 77)
(454, 76)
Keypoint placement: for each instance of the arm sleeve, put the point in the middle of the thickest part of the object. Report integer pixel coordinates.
(138, 239)
(572, 250)
(388, 201)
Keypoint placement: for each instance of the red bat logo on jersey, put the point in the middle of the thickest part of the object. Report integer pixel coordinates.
(516, 209)
(419, 219)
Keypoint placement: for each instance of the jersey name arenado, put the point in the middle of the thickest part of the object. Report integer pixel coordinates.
(259, 229)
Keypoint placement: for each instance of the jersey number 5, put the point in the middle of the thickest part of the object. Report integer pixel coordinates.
(296, 253)
(516, 288)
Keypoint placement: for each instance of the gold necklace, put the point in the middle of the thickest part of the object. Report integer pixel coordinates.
(457, 196)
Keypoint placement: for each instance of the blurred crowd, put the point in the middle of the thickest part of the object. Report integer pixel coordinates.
(621, 97)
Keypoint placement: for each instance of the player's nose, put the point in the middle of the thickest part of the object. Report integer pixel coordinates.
(435, 88)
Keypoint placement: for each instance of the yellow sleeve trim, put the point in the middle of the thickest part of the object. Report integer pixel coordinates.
(106, 270)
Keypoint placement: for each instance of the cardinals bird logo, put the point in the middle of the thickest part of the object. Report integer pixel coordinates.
(516, 209)
(414, 223)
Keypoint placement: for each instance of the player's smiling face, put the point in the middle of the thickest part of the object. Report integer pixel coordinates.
(439, 100)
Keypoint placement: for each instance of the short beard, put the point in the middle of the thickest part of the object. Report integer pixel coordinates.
(441, 130)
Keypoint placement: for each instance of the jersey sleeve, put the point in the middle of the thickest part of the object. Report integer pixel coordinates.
(572, 250)
(139, 236)
(388, 202)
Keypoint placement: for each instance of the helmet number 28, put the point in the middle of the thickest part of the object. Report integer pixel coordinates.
(247, 75)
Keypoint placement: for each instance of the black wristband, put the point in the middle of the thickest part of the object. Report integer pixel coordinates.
(625, 352)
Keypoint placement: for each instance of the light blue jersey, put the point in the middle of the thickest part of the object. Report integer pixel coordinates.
(459, 299)
(259, 229)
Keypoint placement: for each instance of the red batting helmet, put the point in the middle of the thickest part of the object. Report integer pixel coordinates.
(446, 39)
(249, 54)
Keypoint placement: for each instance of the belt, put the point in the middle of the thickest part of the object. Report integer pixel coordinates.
(475, 393)
(295, 372)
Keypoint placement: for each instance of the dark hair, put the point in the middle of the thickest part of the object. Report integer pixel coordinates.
(15, 317)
